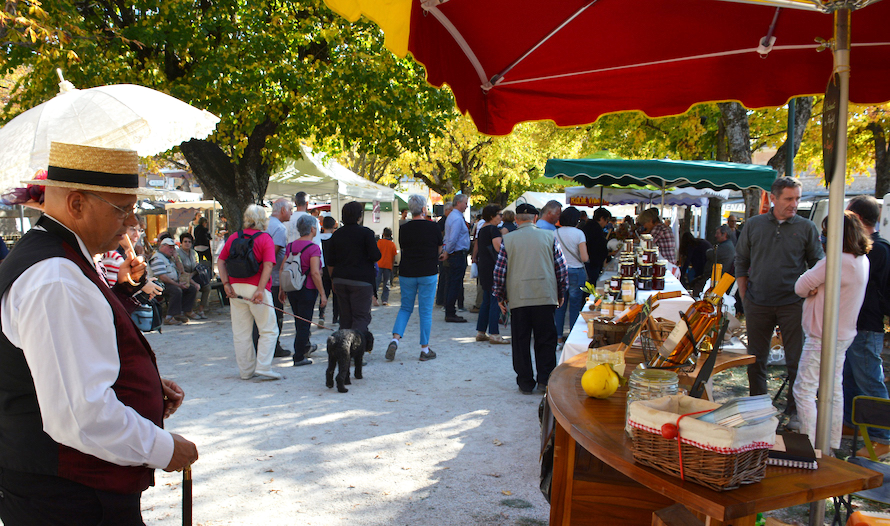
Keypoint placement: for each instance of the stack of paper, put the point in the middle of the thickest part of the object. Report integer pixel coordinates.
(744, 411)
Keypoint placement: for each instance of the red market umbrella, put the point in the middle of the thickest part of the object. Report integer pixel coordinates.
(574, 60)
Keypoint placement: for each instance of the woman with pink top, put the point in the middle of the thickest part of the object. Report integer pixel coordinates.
(811, 285)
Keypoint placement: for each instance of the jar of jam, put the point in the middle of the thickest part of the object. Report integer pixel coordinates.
(659, 268)
(646, 241)
(650, 255)
(644, 283)
(618, 307)
(614, 283)
(626, 269)
(628, 245)
(658, 283)
(645, 270)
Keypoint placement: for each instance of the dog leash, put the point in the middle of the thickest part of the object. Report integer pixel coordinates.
(288, 313)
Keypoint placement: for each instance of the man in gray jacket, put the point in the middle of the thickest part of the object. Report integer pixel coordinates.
(773, 250)
(533, 284)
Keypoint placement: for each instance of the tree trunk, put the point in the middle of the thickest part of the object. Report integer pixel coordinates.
(235, 186)
(804, 109)
(882, 160)
(738, 138)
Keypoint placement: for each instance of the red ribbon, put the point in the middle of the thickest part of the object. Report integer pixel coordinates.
(671, 429)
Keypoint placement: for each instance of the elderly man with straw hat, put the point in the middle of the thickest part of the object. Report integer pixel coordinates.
(81, 401)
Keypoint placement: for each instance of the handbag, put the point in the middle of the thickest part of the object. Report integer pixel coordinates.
(202, 275)
(147, 316)
(474, 270)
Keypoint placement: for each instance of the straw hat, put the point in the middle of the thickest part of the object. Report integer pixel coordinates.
(92, 168)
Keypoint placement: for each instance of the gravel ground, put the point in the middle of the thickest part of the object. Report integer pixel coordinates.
(449, 441)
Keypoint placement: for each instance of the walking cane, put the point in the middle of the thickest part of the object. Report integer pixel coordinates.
(187, 496)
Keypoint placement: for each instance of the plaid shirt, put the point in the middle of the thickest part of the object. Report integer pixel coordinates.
(499, 288)
(664, 240)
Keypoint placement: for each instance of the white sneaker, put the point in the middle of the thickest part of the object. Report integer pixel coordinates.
(269, 375)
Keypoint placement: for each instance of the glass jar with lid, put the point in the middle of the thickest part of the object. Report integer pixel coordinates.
(627, 268)
(659, 268)
(648, 384)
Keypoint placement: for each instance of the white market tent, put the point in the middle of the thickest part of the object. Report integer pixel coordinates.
(324, 179)
(582, 196)
(539, 199)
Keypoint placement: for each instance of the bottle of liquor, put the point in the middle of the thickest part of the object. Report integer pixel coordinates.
(702, 316)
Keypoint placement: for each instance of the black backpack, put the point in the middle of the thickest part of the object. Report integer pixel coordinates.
(242, 262)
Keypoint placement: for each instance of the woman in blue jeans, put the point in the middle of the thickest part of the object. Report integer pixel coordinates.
(485, 254)
(574, 249)
(302, 301)
(420, 241)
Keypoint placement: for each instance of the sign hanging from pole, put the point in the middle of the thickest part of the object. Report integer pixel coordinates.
(830, 119)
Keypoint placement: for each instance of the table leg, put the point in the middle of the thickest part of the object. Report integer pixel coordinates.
(748, 520)
(563, 472)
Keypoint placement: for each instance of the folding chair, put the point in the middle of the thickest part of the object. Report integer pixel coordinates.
(868, 411)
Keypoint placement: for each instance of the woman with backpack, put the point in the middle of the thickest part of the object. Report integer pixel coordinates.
(245, 268)
(302, 300)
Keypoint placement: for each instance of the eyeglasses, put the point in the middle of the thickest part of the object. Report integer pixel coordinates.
(122, 213)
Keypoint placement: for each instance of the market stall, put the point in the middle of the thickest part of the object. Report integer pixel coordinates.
(326, 180)
(578, 341)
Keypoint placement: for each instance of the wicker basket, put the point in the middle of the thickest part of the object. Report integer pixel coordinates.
(713, 470)
(606, 332)
(719, 471)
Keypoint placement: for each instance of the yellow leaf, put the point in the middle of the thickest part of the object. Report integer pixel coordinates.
(505, 492)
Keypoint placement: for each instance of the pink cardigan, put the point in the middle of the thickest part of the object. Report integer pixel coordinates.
(854, 277)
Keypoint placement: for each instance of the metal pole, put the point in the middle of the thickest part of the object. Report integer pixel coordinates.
(22, 219)
(833, 249)
(789, 153)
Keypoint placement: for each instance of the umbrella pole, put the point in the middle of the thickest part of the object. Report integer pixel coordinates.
(833, 249)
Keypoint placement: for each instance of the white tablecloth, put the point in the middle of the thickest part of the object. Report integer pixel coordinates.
(669, 309)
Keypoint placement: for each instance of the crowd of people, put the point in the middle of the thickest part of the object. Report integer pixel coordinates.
(777, 258)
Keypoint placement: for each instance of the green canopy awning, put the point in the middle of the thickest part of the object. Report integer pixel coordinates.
(662, 172)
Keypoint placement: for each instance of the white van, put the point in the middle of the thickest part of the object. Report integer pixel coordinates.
(820, 210)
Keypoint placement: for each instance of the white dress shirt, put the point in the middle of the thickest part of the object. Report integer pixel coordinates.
(65, 327)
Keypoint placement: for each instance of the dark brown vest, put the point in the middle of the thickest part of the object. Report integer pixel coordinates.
(24, 446)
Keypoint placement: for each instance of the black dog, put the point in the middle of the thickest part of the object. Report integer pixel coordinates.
(343, 345)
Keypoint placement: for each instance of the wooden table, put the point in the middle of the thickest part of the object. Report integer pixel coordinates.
(596, 481)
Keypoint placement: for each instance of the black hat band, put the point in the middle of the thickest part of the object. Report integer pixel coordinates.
(70, 175)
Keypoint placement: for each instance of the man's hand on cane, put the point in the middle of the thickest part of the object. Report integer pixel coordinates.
(185, 453)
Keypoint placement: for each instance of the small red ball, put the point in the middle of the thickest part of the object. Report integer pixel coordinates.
(669, 431)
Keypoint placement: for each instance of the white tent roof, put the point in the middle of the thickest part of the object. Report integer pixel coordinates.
(319, 176)
(200, 205)
(536, 199)
(623, 196)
